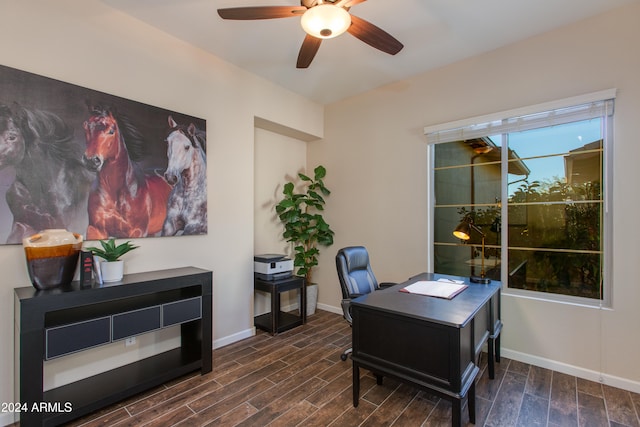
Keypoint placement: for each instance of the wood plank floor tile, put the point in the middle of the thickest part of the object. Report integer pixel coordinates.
(225, 402)
(591, 410)
(488, 388)
(506, 406)
(564, 407)
(534, 411)
(280, 406)
(441, 415)
(620, 407)
(387, 413)
(590, 387)
(341, 407)
(294, 416)
(539, 382)
(171, 418)
(286, 387)
(234, 417)
(417, 412)
(184, 390)
(352, 416)
(333, 388)
(379, 394)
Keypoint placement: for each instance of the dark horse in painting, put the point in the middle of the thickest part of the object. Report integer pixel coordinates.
(124, 201)
(187, 172)
(51, 184)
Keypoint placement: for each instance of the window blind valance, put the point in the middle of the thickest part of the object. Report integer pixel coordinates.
(517, 123)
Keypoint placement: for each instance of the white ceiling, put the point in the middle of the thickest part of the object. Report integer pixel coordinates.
(434, 33)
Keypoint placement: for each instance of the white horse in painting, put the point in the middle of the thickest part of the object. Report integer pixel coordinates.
(187, 173)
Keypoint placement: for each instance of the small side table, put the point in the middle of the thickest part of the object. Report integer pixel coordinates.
(278, 321)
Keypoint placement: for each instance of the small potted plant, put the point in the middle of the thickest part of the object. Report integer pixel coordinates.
(112, 268)
(305, 227)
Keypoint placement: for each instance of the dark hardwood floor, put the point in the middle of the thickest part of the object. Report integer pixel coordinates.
(297, 378)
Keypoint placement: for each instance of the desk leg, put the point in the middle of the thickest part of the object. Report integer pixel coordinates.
(471, 401)
(493, 347)
(356, 384)
(491, 358)
(456, 413)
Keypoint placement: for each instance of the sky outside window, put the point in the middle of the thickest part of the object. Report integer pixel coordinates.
(548, 141)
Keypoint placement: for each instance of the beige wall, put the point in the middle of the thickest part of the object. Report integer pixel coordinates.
(278, 159)
(375, 154)
(88, 44)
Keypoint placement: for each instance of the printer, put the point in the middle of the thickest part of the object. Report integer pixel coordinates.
(272, 266)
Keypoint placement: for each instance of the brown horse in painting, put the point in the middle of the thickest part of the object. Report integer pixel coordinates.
(124, 201)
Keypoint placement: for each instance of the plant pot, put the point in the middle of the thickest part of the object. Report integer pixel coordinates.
(312, 298)
(112, 271)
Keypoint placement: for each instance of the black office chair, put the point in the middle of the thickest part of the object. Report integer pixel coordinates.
(356, 279)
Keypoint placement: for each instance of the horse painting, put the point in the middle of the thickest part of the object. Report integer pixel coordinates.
(51, 184)
(124, 201)
(187, 173)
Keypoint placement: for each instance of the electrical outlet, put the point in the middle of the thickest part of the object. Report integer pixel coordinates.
(129, 341)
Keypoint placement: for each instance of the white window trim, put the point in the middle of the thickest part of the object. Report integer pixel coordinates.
(607, 297)
(523, 111)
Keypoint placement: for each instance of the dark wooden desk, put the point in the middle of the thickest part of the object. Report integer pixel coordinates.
(432, 343)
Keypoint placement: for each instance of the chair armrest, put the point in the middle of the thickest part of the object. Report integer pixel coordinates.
(386, 285)
(346, 310)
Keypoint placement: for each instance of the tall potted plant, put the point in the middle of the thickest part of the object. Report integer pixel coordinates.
(305, 227)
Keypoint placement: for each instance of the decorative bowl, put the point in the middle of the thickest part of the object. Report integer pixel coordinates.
(52, 257)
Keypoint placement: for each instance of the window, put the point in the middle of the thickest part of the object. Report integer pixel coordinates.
(534, 186)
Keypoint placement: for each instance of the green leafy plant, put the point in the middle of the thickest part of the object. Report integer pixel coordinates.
(304, 225)
(110, 252)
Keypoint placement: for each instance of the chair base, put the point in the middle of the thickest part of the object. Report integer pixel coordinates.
(345, 354)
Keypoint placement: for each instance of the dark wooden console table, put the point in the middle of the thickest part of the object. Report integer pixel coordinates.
(278, 321)
(65, 320)
(432, 343)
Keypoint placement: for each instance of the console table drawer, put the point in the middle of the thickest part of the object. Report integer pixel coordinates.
(177, 312)
(135, 322)
(66, 339)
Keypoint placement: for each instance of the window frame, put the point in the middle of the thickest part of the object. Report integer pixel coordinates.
(432, 133)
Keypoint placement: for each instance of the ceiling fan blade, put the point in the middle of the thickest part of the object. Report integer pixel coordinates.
(261, 12)
(308, 50)
(348, 3)
(374, 36)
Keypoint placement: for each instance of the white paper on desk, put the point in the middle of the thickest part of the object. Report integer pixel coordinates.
(440, 289)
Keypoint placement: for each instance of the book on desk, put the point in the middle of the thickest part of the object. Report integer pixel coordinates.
(441, 288)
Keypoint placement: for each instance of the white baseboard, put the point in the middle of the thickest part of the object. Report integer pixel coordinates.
(330, 308)
(7, 418)
(576, 371)
(325, 307)
(230, 339)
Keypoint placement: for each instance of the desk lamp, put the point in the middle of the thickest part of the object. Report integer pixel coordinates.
(463, 232)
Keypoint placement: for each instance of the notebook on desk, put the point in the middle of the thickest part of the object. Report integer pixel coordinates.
(441, 288)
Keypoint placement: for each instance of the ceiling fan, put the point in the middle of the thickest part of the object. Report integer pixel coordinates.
(321, 19)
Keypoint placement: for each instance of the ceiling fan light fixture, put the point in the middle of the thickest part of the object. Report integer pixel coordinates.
(325, 21)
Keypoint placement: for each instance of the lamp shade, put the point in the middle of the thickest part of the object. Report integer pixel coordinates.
(463, 231)
(325, 21)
